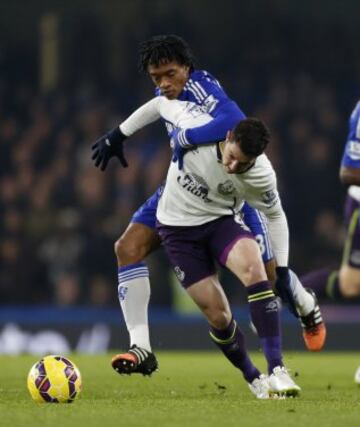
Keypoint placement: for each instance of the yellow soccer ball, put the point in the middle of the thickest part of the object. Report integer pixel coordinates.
(54, 379)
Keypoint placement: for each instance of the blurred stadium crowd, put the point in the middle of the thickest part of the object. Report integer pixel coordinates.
(60, 216)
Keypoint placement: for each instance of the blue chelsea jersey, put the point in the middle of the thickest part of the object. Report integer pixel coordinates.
(351, 157)
(203, 90)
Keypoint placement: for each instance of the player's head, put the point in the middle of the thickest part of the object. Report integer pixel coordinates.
(168, 60)
(243, 144)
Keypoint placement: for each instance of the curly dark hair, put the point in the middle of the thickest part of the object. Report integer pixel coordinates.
(162, 49)
(252, 135)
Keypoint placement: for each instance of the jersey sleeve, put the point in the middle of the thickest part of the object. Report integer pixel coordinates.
(146, 114)
(212, 97)
(263, 195)
(266, 200)
(351, 156)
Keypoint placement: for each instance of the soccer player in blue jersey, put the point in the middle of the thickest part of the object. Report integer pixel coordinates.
(169, 63)
(345, 282)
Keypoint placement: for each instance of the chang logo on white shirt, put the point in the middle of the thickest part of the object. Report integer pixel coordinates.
(195, 185)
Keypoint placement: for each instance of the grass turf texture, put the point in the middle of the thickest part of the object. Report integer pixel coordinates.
(191, 389)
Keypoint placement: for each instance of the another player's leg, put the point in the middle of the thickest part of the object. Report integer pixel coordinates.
(344, 283)
(134, 294)
(335, 285)
(138, 240)
(314, 330)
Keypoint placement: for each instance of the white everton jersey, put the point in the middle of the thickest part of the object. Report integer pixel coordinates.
(203, 191)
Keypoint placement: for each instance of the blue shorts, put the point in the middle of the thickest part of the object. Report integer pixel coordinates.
(256, 221)
(146, 215)
(351, 255)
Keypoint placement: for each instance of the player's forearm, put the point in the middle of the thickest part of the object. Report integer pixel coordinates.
(279, 236)
(349, 176)
(225, 119)
(146, 114)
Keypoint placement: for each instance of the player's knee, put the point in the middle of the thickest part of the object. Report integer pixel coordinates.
(220, 318)
(127, 252)
(253, 272)
(349, 282)
(350, 290)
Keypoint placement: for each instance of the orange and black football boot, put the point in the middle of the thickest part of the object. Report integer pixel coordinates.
(314, 330)
(136, 361)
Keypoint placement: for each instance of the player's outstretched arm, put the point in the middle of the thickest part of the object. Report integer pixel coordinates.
(226, 116)
(225, 112)
(108, 146)
(279, 237)
(215, 101)
(111, 144)
(225, 119)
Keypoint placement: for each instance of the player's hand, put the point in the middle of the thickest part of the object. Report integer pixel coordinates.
(179, 146)
(109, 145)
(282, 286)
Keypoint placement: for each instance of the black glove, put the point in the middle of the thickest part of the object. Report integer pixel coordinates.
(283, 288)
(109, 145)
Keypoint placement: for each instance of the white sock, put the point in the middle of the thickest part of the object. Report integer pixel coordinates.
(134, 296)
(305, 302)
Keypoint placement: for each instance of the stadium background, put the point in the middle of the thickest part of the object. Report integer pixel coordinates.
(68, 73)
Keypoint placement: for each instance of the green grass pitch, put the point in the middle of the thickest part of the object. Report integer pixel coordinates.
(191, 389)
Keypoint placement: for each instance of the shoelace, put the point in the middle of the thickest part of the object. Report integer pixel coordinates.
(309, 322)
(284, 371)
(313, 330)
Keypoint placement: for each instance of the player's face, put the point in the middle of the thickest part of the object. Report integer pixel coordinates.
(234, 160)
(169, 77)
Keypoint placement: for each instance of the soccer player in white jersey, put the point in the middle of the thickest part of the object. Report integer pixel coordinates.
(198, 225)
(194, 101)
